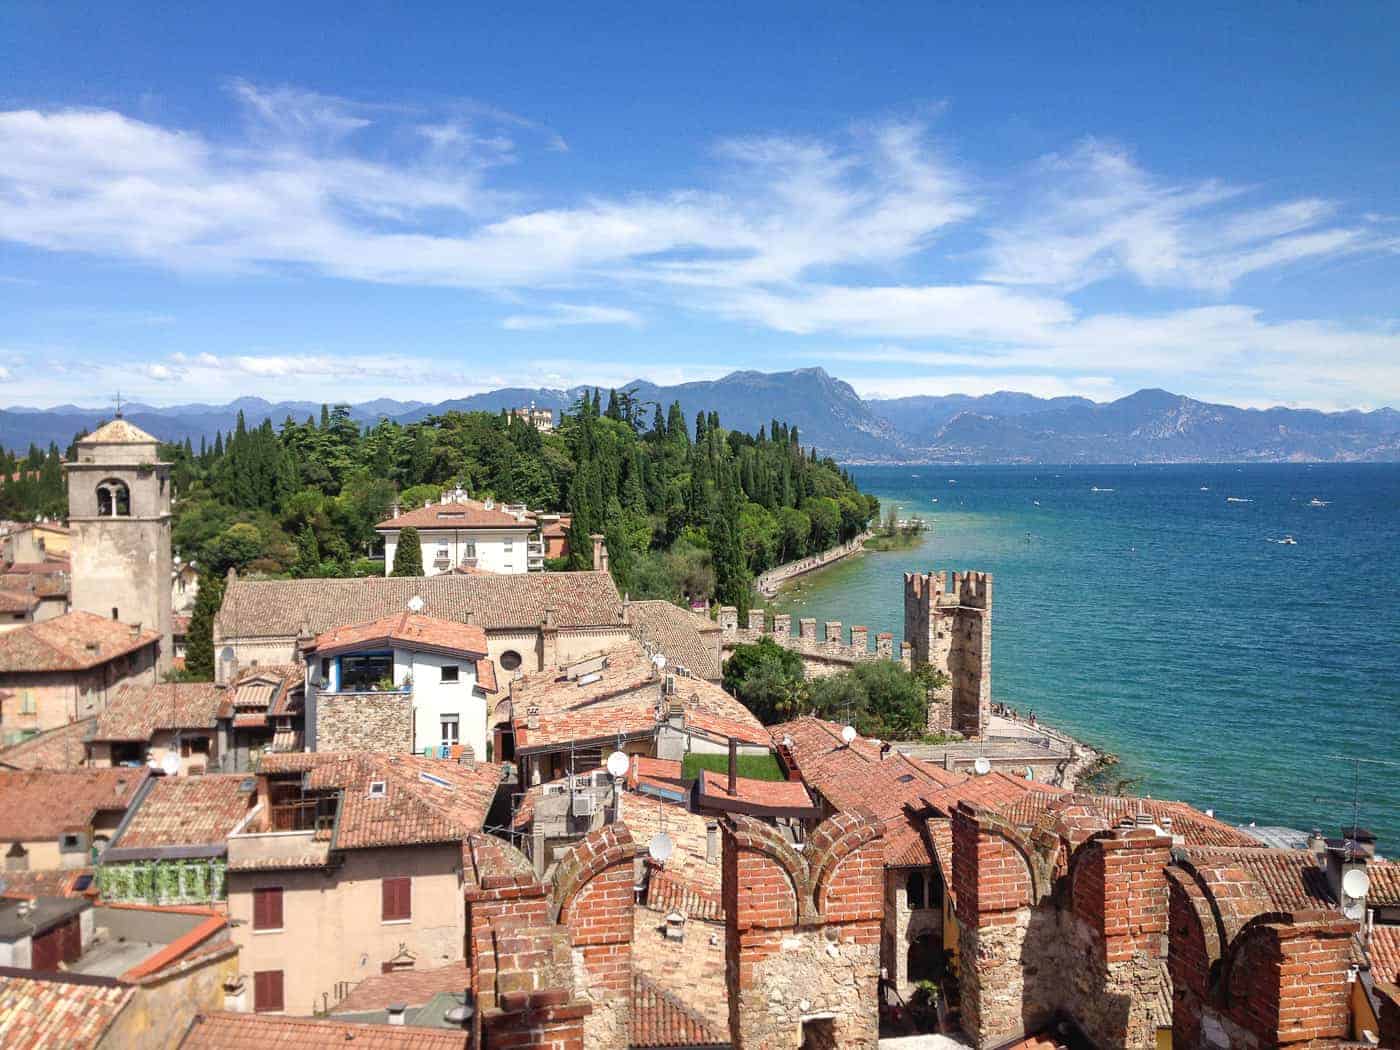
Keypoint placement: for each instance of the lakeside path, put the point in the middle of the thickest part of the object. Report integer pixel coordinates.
(767, 583)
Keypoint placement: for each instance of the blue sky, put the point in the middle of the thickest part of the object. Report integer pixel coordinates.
(420, 202)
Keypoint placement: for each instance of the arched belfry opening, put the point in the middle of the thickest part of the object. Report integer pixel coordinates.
(113, 499)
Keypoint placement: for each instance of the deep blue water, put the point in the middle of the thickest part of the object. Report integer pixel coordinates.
(1166, 624)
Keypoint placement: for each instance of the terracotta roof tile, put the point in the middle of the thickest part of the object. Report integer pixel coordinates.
(43, 804)
(136, 712)
(118, 432)
(465, 514)
(1384, 950)
(677, 632)
(57, 1012)
(659, 1018)
(272, 689)
(409, 987)
(1195, 827)
(61, 748)
(1251, 881)
(1385, 882)
(414, 810)
(52, 582)
(787, 794)
(187, 811)
(278, 608)
(53, 882)
(230, 1031)
(622, 698)
(406, 630)
(15, 601)
(72, 642)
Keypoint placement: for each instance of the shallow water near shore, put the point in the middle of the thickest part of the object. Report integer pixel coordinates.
(1161, 618)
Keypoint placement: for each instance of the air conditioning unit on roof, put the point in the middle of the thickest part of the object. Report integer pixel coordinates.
(584, 805)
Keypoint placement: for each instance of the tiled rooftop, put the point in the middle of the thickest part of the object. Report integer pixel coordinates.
(784, 794)
(118, 432)
(1384, 950)
(1195, 827)
(1385, 883)
(409, 987)
(42, 804)
(414, 810)
(659, 1018)
(60, 748)
(406, 630)
(57, 1011)
(622, 697)
(230, 1031)
(15, 601)
(136, 712)
(465, 514)
(679, 633)
(39, 579)
(72, 642)
(1285, 880)
(188, 811)
(279, 608)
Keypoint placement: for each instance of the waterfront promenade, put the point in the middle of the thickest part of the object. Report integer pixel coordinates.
(767, 583)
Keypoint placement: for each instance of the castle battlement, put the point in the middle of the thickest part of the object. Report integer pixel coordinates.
(972, 590)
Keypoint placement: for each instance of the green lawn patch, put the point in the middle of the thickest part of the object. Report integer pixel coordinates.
(754, 767)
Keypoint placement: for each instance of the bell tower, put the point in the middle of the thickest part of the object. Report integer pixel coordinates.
(119, 517)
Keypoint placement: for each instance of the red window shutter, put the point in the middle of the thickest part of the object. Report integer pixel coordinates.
(267, 991)
(397, 899)
(267, 908)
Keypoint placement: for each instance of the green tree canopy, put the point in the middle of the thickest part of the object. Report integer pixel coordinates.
(768, 680)
(879, 697)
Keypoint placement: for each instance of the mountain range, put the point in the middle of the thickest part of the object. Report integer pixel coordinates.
(1150, 426)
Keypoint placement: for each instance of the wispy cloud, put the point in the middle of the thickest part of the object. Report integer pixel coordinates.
(1094, 213)
(559, 315)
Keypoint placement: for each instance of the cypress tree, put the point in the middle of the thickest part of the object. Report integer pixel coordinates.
(199, 649)
(408, 555)
(308, 563)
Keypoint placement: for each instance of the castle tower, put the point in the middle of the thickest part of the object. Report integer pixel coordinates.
(119, 514)
(951, 628)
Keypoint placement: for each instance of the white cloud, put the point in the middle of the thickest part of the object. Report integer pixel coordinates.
(1094, 213)
(565, 314)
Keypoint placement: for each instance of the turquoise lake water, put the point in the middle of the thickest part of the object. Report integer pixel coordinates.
(1161, 619)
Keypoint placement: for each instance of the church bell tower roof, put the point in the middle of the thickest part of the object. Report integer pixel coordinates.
(119, 432)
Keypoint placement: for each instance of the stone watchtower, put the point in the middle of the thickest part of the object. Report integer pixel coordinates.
(951, 628)
(119, 514)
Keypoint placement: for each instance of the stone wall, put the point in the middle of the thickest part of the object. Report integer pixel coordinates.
(803, 933)
(950, 627)
(768, 583)
(364, 722)
(820, 656)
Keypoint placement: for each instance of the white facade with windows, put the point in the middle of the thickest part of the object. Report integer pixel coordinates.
(457, 533)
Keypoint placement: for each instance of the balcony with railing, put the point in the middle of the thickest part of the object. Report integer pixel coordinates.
(295, 831)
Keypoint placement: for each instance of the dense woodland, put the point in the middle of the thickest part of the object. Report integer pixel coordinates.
(690, 510)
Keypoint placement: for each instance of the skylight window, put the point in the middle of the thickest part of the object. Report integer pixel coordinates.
(906, 778)
(378, 789)
(429, 778)
(589, 679)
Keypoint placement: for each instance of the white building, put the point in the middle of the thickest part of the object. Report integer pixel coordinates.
(459, 534)
(439, 666)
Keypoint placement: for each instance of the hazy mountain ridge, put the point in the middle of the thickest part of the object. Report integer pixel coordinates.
(1153, 426)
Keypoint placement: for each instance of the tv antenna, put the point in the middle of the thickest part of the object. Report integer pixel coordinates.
(1355, 784)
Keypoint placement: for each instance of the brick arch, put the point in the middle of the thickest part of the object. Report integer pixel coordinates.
(608, 847)
(757, 837)
(499, 869)
(1040, 864)
(832, 843)
(1215, 927)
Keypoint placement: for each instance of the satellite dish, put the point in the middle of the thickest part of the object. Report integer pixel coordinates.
(1355, 883)
(848, 734)
(787, 740)
(1030, 773)
(982, 765)
(617, 764)
(170, 764)
(660, 847)
(659, 661)
(415, 604)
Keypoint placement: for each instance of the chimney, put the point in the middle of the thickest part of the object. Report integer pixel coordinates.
(136, 630)
(396, 510)
(600, 553)
(467, 757)
(733, 767)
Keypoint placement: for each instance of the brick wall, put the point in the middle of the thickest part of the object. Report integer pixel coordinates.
(803, 932)
(365, 722)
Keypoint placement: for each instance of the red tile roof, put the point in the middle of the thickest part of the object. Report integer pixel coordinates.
(409, 987)
(679, 633)
(137, 712)
(53, 565)
(406, 630)
(72, 642)
(14, 601)
(272, 689)
(783, 794)
(1282, 879)
(622, 698)
(1385, 882)
(57, 1011)
(414, 809)
(118, 432)
(53, 882)
(187, 811)
(61, 748)
(42, 804)
(46, 585)
(659, 1018)
(1384, 950)
(1195, 827)
(467, 514)
(230, 1031)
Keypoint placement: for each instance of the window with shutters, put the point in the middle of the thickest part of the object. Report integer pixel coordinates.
(267, 908)
(267, 991)
(398, 899)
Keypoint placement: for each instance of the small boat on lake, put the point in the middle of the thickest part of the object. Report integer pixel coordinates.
(1315, 502)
